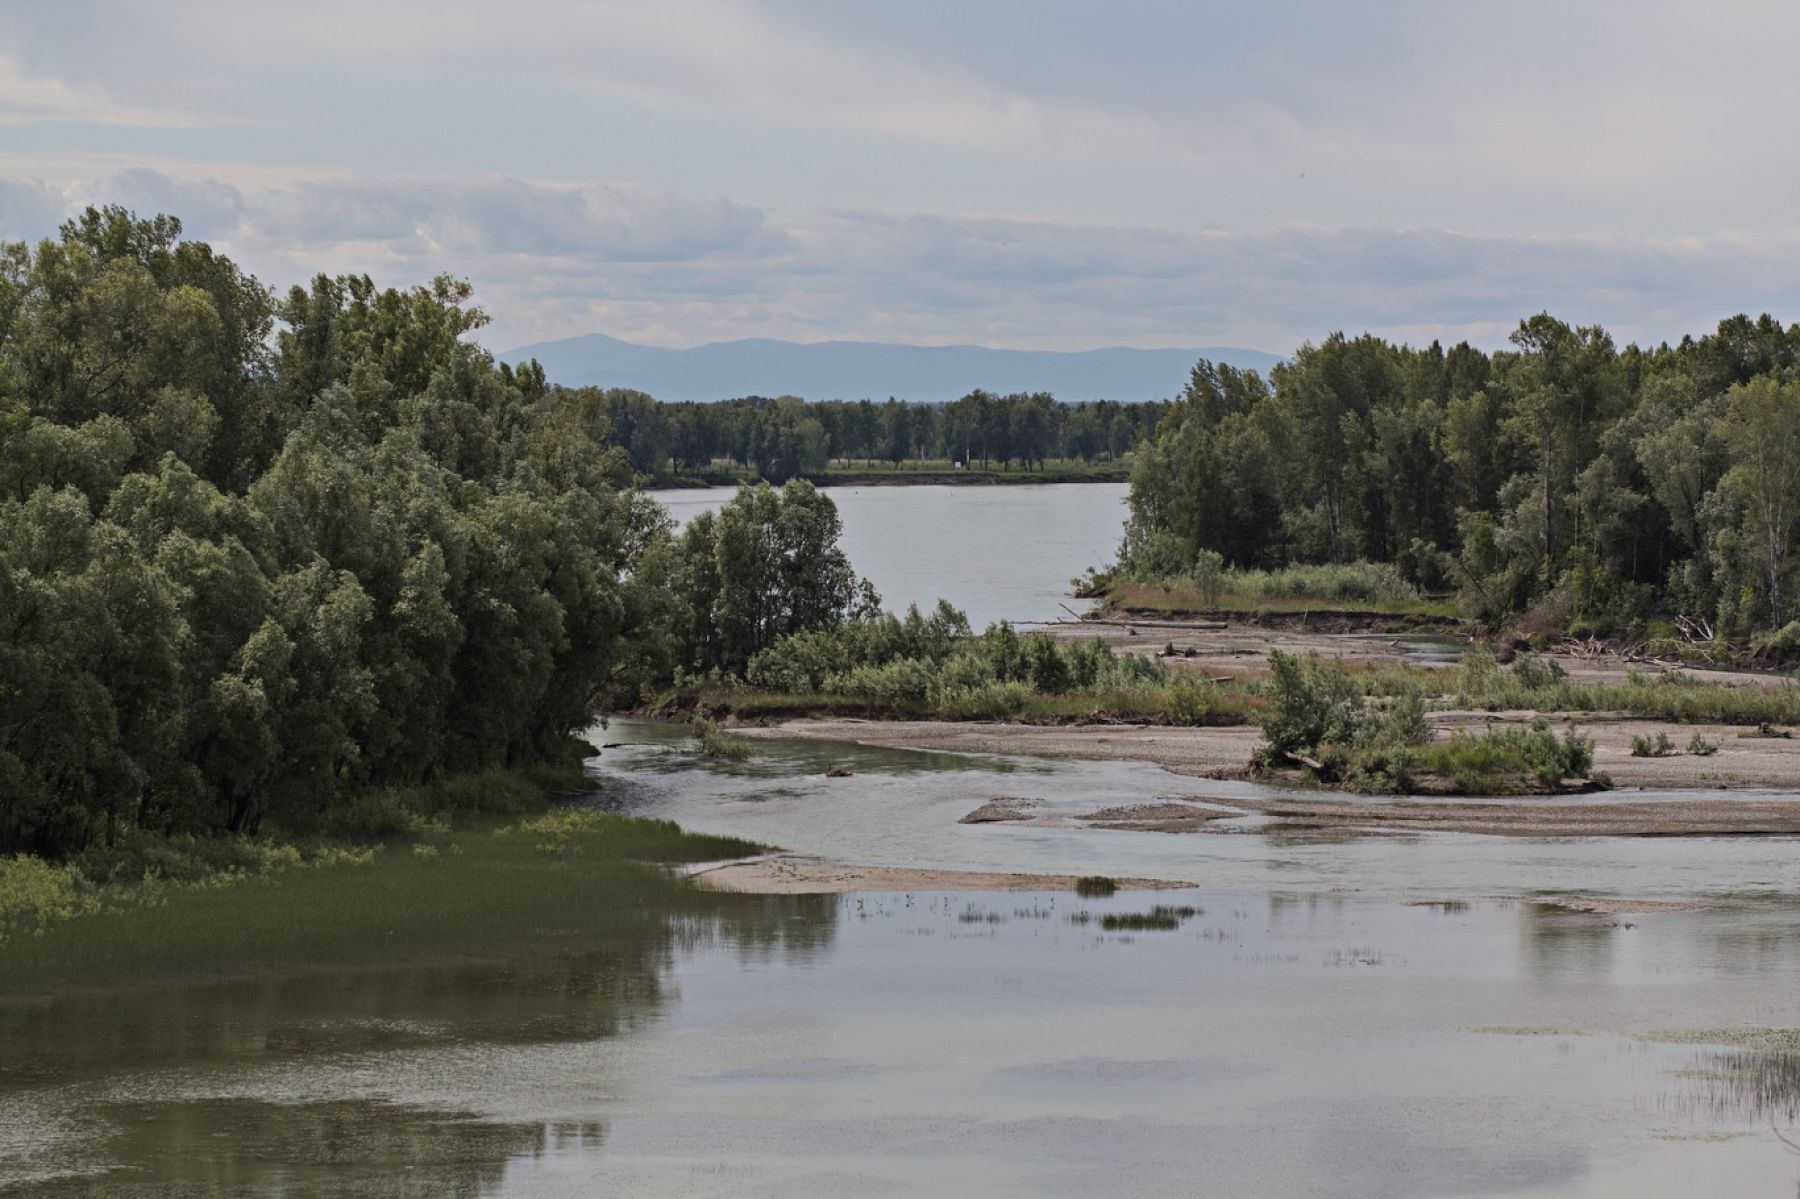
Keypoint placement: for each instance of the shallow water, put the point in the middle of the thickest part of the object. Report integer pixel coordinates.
(998, 553)
(902, 808)
(954, 1044)
(1301, 1029)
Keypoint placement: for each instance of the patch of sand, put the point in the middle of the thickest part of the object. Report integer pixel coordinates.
(785, 875)
(1532, 817)
(1167, 816)
(1224, 753)
(1001, 809)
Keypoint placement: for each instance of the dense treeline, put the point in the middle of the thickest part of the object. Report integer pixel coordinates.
(259, 553)
(784, 438)
(1567, 481)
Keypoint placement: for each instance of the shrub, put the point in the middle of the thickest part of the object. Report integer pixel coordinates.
(376, 815)
(1658, 747)
(1487, 764)
(715, 742)
(1363, 581)
(1311, 702)
(1188, 701)
(1700, 747)
(1533, 671)
(34, 894)
(1398, 725)
(1782, 645)
(1209, 576)
(1478, 678)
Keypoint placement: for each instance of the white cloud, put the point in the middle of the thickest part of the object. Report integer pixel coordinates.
(670, 267)
(38, 99)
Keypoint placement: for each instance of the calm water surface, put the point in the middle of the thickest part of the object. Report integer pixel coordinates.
(997, 552)
(1301, 1030)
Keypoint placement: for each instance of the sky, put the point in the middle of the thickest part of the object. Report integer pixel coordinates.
(1048, 174)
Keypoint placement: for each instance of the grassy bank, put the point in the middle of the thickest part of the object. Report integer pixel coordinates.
(470, 885)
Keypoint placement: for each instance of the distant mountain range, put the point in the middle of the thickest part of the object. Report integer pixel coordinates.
(854, 370)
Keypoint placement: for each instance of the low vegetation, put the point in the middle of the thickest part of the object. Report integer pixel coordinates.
(469, 877)
(931, 667)
(1539, 685)
(716, 743)
(1316, 719)
(1158, 581)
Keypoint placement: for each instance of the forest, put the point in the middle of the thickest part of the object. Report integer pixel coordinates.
(786, 437)
(1565, 485)
(263, 553)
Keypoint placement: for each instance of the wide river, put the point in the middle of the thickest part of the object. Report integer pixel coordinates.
(996, 552)
(1374, 1016)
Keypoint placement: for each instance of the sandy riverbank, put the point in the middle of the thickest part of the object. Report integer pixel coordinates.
(1228, 648)
(1222, 753)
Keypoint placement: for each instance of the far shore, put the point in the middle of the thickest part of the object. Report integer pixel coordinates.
(853, 477)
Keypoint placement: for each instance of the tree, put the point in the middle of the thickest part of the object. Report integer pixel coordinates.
(767, 566)
(1762, 427)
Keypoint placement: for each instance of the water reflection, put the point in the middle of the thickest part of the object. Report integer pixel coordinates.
(246, 1146)
(298, 1085)
(1559, 945)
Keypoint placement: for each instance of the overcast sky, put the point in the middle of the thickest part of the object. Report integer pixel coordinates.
(1038, 173)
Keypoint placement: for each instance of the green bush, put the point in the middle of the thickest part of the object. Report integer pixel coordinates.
(1487, 764)
(1782, 645)
(1533, 671)
(1310, 702)
(35, 894)
(1400, 724)
(715, 742)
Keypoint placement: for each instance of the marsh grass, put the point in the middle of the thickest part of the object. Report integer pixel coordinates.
(1157, 919)
(564, 878)
(1095, 886)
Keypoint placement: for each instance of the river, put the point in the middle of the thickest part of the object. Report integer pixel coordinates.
(1348, 1016)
